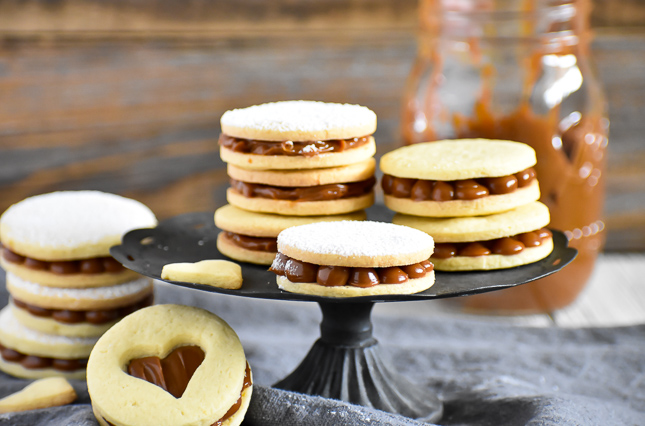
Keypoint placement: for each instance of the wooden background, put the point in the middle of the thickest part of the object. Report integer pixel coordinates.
(126, 96)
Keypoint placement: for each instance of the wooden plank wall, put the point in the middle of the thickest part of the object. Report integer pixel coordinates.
(126, 96)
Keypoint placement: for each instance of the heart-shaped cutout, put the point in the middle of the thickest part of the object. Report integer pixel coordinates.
(171, 373)
(154, 332)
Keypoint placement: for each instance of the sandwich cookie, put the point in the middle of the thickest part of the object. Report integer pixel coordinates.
(76, 311)
(504, 240)
(62, 239)
(169, 365)
(335, 190)
(31, 354)
(297, 135)
(459, 177)
(349, 259)
(252, 237)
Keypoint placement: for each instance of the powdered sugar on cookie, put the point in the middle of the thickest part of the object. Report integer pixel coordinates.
(299, 116)
(97, 293)
(356, 239)
(73, 218)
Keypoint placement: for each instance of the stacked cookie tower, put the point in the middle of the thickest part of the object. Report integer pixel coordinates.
(477, 198)
(65, 288)
(292, 163)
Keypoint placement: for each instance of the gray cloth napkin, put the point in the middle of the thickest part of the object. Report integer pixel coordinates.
(486, 374)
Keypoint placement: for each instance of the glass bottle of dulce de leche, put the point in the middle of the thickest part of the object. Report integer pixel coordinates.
(519, 70)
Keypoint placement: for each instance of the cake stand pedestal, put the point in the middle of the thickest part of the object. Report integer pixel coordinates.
(345, 362)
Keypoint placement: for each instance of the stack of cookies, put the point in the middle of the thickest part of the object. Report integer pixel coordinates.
(477, 198)
(292, 163)
(65, 288)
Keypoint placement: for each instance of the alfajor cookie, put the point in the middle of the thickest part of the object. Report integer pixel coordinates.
(252, 237)
(62, 239)
(334, 190)
(297, 135)
(349, 259)
(169, 365)
(76, 311)
(503, 240)
(31, 354)
(459, 177)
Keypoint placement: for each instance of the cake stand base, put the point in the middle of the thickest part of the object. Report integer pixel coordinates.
(346, 364)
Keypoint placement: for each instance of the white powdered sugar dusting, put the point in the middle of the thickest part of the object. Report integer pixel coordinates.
(355, 238)
(299, 116)
(73, 218)
(95, 293)
(9, 324)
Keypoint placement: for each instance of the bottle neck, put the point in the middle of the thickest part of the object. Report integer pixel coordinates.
(556, 26)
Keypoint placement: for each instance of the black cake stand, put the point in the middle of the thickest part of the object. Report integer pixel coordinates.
(345, 362)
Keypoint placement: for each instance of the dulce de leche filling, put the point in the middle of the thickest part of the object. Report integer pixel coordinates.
(505, 246)
(33, 362)
(96, 316)
(65, 267)
(175, 371)
(266, 244)
(334, 191)
(467, 189)
(302, 272)
(290, 148)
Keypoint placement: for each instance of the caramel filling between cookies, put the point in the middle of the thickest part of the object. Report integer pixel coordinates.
(331, 276)
(173, 373)
(334, 191)
(467, 189)
(96, 316)
(290, 148)
(33, 362)
(96, 265)
(506, 246)
(265, 244)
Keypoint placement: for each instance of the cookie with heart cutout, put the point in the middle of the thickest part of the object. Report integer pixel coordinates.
(350, 259)
(169, 365)
(499, 241)
(62, 239)
(297, 135)
(32, 354)
(456, 178)
(252, 237)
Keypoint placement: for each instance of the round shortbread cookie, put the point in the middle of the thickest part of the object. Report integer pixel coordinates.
(17, 370)
(458, 159)
(525, 218)
(280, 162)
(299, 121)
(227, 248)
(305, 177)
(356, 244)
(240, 221)
(16, 336)
(299, 208)
(235, 420)
(50, 279)
(79, 298)
(51, 326)
(70, 225)
(494, 261)
(410, 287)
(459, 208)
(214, 388)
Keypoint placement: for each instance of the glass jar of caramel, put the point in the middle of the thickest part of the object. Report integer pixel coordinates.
(519, 70)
